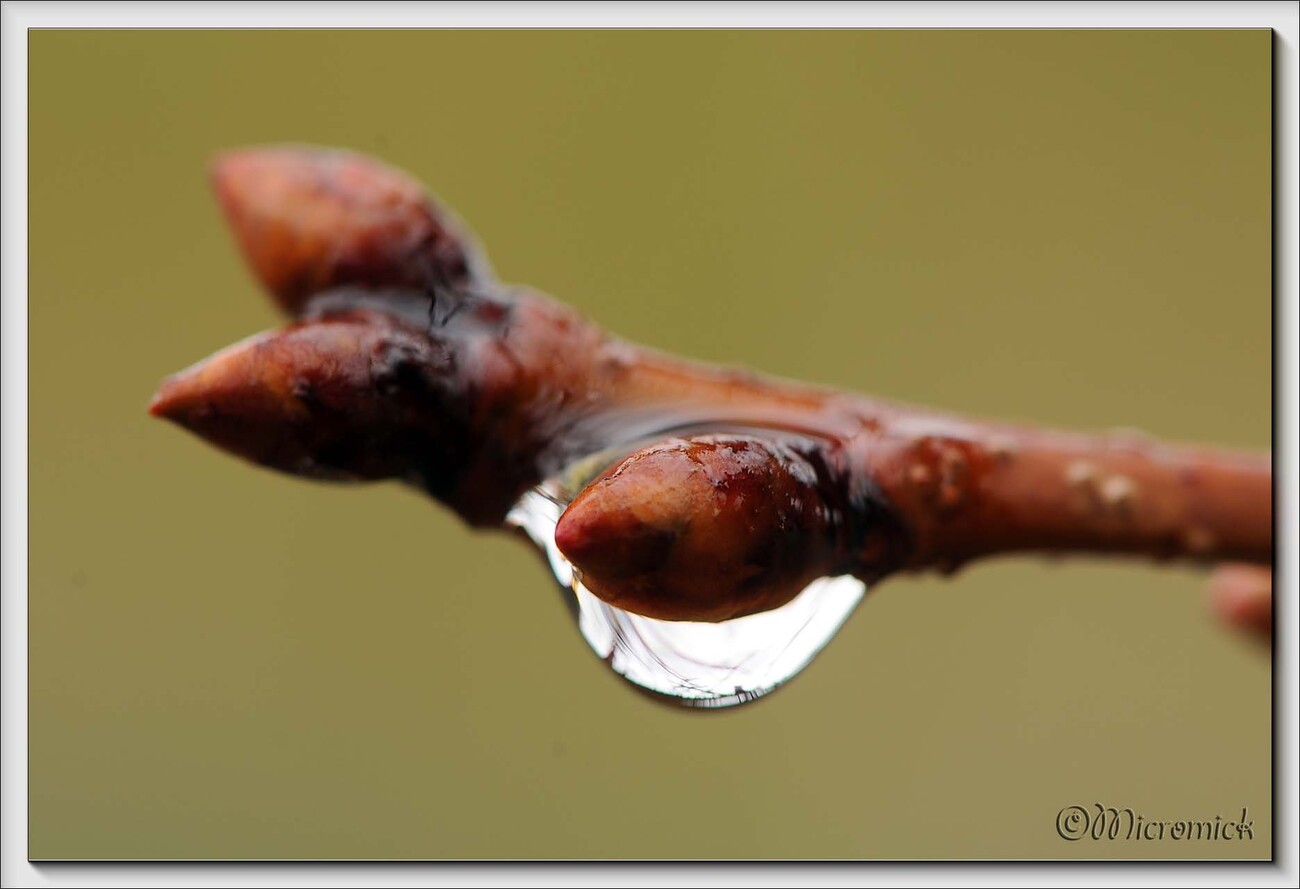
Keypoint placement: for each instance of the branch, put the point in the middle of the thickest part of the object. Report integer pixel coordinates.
(407, 360)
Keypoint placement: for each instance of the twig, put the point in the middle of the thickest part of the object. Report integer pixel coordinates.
(407, 360)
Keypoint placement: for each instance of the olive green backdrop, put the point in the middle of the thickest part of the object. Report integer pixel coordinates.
(1066, 227)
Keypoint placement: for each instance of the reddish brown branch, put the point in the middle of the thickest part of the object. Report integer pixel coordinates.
(978, 490)
(408, 361)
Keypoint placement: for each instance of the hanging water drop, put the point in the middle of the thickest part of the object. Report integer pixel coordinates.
(693, 663)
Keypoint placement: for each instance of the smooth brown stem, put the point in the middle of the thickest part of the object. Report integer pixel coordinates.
(973, 490)
(963, 488)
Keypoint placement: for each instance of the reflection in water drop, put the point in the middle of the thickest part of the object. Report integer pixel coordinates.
(694, 664)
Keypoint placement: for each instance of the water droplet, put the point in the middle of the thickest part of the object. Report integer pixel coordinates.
(705, 665)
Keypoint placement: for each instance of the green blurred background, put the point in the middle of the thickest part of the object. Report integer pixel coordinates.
(1064, 227)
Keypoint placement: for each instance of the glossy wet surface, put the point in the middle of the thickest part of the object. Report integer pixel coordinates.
(694, 664)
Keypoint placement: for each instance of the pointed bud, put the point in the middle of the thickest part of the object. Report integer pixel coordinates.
(311, 219)
(316, 398)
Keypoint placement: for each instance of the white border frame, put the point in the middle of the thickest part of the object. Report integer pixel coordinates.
(17, 17)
